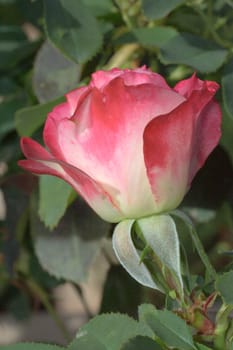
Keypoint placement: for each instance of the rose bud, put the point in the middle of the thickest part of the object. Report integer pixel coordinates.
(128, 143)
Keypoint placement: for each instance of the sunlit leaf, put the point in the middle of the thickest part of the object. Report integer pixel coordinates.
(53, 74)
(68, 251)
(113, 330)
(128, 255)
(167, 326)
(160, 234)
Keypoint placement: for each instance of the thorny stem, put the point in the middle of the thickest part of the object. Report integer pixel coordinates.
(119, 58)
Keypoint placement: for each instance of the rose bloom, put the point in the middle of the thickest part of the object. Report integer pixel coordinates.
(128, 143)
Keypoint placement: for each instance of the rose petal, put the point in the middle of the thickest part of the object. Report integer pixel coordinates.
(60, 112)
(187, 86)
(75, 97)
(94, 193)
(99, 135)
(207, 136)
(176, 146)
(41, 167)
(41, 162)
(131, 78)
(33, 150)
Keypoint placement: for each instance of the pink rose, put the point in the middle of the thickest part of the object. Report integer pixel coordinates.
(128, 143)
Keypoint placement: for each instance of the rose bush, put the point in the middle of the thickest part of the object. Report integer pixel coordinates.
(127, 142)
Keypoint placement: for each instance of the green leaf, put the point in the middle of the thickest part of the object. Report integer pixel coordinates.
(227, 132)
(31, 346)
(7, 110)
(155, 36)
(29, 119)
(16, 190)
(200, 215)
(166, 325)
(100, 7)
(12, 33)
(86, 342)
(156, 9)
(161, 236)
(8, 86)
(227, 84)
(187, 20)
(73, 29)
(113, 299)
(193, 51)
(224, 284)
(196, 241)
(113, 330)
(53, 199)
(128, 255)
(69, 250)
(141, 343)
(53, 74)
(14, 46)
(40, 276)
(202, 347)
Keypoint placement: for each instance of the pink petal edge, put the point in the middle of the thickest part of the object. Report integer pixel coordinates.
(41, 162)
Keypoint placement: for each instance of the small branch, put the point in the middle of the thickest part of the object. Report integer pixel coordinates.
(84, 302)
(204, 257)
(197, 242)
(119, 58)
